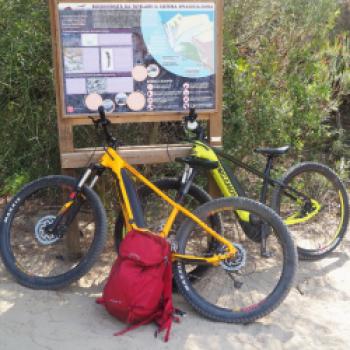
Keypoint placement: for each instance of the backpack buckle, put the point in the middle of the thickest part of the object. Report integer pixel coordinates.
(174, 245)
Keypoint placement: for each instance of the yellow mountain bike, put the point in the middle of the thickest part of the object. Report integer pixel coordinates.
(232, 283)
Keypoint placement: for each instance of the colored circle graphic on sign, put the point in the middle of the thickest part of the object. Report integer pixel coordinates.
(136, 101)
(139, 73)
(93, 101)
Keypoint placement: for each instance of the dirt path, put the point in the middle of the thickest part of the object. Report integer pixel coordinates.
(315, 315)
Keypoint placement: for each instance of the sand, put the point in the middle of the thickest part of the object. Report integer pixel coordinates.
(315, 315)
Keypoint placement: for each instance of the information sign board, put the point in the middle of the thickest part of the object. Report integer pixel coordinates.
(133, 57)
(144, 61)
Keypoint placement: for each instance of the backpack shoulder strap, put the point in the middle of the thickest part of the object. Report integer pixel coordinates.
(167, 313)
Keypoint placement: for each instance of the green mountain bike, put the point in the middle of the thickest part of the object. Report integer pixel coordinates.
(310, 197)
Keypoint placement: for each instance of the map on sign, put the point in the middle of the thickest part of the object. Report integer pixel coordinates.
(183, 42)
(192, 37)
(137, 57)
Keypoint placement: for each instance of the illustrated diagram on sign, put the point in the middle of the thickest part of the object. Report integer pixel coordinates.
(192, 37)
(137, 57)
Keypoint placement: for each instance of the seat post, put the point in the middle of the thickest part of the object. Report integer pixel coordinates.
(263, 193)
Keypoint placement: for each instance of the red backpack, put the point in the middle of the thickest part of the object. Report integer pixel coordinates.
(139, 287)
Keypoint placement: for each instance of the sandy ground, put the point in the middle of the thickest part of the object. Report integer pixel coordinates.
(315, 315)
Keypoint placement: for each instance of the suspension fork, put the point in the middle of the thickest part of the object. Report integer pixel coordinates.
(71, 208)
(185, 183)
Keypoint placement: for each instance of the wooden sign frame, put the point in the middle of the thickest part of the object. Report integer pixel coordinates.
(72, 157)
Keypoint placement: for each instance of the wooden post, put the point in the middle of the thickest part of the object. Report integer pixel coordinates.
(215, 119)
(65, 131)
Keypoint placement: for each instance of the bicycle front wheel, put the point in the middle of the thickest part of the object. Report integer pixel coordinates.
(39, 260)
(249, 285)
(317, 229)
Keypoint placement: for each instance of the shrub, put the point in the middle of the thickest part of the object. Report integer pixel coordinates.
(28, 133)
(278, 86)
(284, 82)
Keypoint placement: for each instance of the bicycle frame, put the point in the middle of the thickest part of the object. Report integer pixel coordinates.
(112, 160)
(288, 190)
(221, 178)
(201, 150)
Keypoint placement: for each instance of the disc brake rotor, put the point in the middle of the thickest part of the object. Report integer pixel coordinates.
(41, 235)
(238, 261)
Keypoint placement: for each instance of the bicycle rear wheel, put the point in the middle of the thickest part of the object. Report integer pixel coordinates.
(248, 286)
(315, 235)
(40, 260)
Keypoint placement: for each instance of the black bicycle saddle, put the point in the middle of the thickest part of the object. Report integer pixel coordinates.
(272, 152)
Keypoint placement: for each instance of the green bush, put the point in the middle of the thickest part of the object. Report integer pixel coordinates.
(286, 81)
(278, 86)
(28, 132)
(14, 182)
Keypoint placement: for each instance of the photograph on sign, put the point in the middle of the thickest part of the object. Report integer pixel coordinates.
(138, 57)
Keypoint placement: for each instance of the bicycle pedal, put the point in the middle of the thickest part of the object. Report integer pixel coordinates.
(237, 284)
(179, 312)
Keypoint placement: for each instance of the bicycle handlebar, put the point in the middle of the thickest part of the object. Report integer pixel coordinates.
(190, 120)
(111, 141)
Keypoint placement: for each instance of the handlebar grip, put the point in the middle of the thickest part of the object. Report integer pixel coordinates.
(192, 116)
(102, 112)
